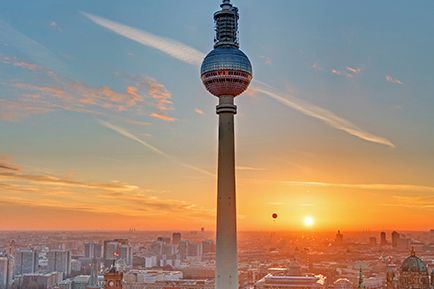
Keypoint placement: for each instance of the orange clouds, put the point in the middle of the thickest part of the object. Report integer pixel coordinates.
(162, 117)
(198, 111)
(145, 96)
(6, 165)
(23, 190)
(18, 63)
(161, 99)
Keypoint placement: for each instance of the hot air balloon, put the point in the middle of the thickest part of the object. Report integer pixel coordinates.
(274, 216)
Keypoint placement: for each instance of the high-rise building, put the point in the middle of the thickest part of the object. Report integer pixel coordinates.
(339, 238)
(26, 261)
(395, 239)
(93, 250)
(183, 249)
(226, 72)
(110, 250)
(176, 238)
(383, 240)
(208, 247)
(118, 249)
(59, 261)
(6, 271)
(126, 254)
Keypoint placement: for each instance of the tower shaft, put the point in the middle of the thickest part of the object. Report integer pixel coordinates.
(226, 254)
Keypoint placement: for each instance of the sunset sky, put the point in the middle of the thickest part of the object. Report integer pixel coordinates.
(104, 123)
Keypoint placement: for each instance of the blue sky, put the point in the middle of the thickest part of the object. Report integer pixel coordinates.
(369, 63)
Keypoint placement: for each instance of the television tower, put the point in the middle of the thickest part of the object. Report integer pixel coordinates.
(226, 72)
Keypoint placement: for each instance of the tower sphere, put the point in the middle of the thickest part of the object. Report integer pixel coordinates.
(226, 71)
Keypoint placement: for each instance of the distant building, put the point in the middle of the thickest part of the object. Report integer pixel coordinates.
(208, 247)
(75, 266)
(179, 284)
(343, 283)
(59, 261)
(395, 239)
(26, 261)
(150, 261)
(93, 250)
(176, 238)
(38, 281)
(372, 241)
(6, 271)
(383, 240)
(293, 282)
(164, 239)
(339, 238)
(126, 254)
(118, 249)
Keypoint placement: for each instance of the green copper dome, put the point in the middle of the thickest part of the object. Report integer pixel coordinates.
(413, 264)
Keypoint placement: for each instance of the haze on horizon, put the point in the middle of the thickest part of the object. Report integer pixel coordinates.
(104, 123)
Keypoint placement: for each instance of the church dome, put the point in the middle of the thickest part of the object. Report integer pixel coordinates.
(413, 264)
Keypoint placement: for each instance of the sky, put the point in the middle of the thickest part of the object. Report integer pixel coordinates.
(105, 124)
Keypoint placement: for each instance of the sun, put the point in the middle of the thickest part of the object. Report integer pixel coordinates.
(308, 221)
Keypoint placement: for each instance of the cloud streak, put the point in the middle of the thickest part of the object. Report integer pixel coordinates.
(154, 149)
(49, 191)
(375, 187)
(173, 48)
(192, 56)
(48, 180)
(391, 79)
(323, 115)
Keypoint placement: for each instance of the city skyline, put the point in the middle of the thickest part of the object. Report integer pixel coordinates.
(105, 124)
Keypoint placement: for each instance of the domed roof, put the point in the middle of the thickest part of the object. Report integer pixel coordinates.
(226, 58)
(343, 283)
(413, 264)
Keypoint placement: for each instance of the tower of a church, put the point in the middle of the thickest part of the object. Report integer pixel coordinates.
(93, 279)
(113, 279)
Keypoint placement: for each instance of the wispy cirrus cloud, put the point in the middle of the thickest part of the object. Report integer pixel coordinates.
(37, 52)
(154, 149)
(48, 180)
(18, 63)
(323, 115)
(391, 79)
(162, 117)
(248, 168)
(412, 202)
(5, 164)
(54, 25)
(192, 56)
(374, 187)
(173, 48)
(13, 110)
